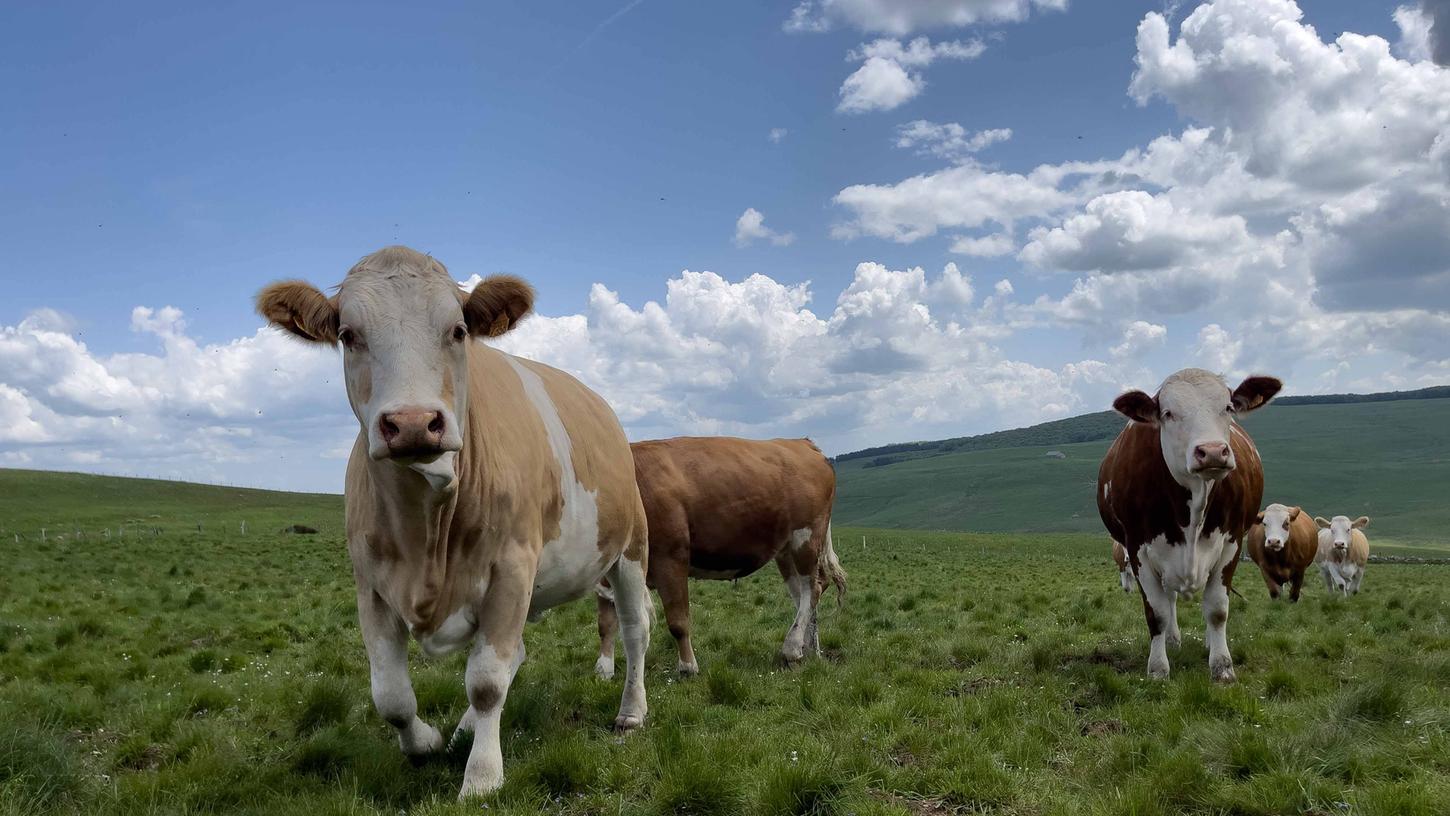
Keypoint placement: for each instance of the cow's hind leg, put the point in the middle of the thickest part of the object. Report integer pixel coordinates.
(498, 651)
(631, 599)
(801, 586)
(608, 625)
(1215, 619)
(386, 639)
(672, 582)
(1159, 608)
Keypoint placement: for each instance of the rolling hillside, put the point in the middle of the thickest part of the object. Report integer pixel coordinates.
(1388, 459)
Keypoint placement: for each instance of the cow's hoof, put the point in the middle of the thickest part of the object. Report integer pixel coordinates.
(625, 723)
(1223, 673)
(687, 669)
(1158, 672)
(418, 747)
(476, 788)
(604, 669)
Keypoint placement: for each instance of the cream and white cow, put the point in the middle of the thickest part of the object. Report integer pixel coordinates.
(1343, 553)
(482, 489)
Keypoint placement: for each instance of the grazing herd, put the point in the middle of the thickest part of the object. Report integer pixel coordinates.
(484, 489)
(1179, 492)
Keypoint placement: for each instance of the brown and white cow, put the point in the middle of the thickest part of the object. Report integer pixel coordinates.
(1180, 488)
(482, 488)
(1284, 544)
(721, 508)
(1125, 570)
(1343, 553)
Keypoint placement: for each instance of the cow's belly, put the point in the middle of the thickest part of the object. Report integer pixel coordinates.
(1185, 568)
(568, 570)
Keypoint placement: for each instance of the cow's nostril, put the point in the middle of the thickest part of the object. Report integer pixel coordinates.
(388, 428)
(436, 424)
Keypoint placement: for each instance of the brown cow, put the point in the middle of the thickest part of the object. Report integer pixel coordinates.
(720, 508)
(1180, 488)
(1125, 570)
(1283, 544)
(482, 489)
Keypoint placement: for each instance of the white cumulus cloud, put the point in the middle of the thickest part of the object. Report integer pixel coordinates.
(750, 227)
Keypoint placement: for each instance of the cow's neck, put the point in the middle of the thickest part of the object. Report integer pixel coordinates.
(418, 511)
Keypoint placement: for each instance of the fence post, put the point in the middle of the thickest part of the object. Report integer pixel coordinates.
(42, 535)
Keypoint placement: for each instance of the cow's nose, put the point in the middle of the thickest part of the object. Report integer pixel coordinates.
(412, 431)
(1212, 455)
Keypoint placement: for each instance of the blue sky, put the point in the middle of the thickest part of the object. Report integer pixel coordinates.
(166, 157)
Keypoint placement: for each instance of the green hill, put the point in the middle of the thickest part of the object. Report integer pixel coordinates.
(65, 502)
(1389, 459)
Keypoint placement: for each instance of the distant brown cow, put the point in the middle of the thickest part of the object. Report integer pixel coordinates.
(720, 508)
(1125, 570)
(1179, 488)
(1283, 544)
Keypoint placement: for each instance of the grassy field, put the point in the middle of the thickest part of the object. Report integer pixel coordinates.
(210, 672)
(1387, 460)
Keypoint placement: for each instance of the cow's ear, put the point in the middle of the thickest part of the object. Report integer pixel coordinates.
(1322, 522)
(1362, 521)
(1260, 517)
(497, 305)
(299, 308)
(1137, 406)
(1254, 393)
(1294, 512)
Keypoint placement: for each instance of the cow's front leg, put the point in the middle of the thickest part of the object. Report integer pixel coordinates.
(385, 637)
(1158, 607)
(498, 651)
(1215, 619)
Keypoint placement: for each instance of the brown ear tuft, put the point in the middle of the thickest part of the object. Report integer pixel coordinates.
(497, 305)
(1137, 406)
(299, 308)
(1294, 513)
(1254, 393)
(1260, 517)
(1362, 521)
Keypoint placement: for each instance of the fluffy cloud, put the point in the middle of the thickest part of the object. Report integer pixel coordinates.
(948, 141)
(900, 19)
(883, 81)
(1297, 222)
(777, 135)
(750, 227)
(897, 353)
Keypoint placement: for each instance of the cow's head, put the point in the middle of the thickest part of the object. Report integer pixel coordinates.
(1339, 528)
(404, 327)
(1193, 412)
(1276, 519)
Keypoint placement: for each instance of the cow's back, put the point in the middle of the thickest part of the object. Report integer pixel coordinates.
(732, 502)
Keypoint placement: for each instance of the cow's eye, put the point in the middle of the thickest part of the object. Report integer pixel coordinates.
(1167, 414)
(347, 337)
(1229, 408)
(460, 333)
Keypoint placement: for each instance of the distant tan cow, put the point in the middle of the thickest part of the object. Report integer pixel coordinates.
(1284, 544)
(720, 508)
(482, 489)
(1125, 569)
(1343, 552)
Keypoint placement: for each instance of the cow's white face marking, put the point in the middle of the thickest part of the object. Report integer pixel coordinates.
(405, 348)
(1341, 531)
(1276, 526)
(570, 564)
(1195, 411)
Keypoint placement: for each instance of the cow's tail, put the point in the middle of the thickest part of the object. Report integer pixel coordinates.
(828, 567)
